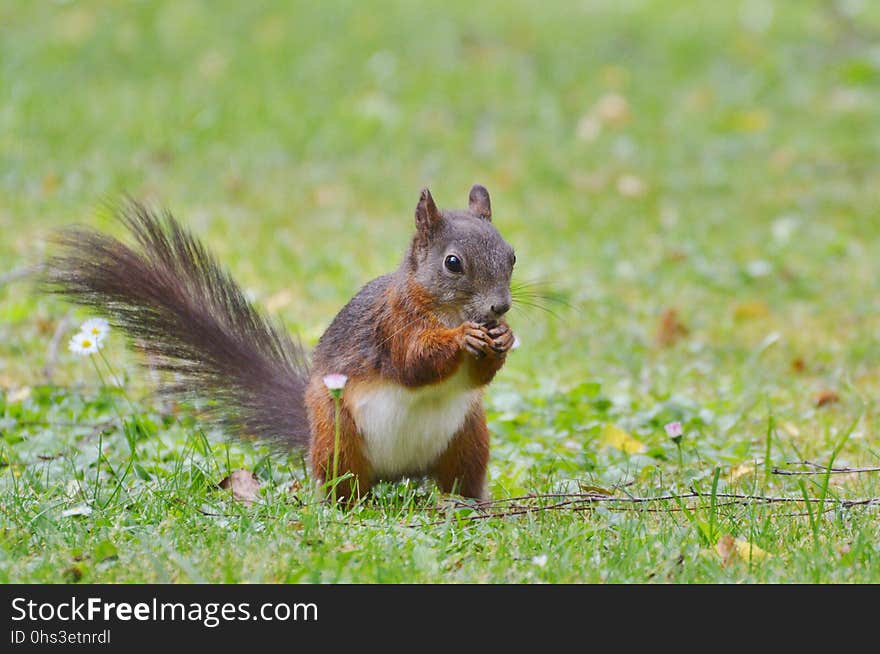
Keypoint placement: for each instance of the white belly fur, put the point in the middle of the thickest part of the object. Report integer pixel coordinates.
(405, 429)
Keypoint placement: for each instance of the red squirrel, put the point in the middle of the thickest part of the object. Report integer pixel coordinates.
(418, 345)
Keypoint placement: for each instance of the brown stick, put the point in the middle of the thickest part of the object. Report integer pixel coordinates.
(584, 501)
(821, 470)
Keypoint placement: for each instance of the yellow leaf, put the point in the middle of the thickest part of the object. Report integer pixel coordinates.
(751, 310)
(741, 470)
(746, 550)
(617, 438)
(598, 490)
(756, 120)
(727, 548)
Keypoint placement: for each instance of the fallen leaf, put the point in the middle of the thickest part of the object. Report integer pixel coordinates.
(19, 395)
(729, 548)
(73, 574)
(740, 470)
(618, 439)
(725, 548)
(245, 486)
(746, 550)
(670, 329)
(45, 326)
(50, 183)
(751, 310)
(756, 120)
(826, 397)
(597, 490)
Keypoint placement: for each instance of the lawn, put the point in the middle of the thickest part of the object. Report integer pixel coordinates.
(692, 187)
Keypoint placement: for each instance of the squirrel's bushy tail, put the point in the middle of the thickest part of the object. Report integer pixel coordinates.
(181, 308)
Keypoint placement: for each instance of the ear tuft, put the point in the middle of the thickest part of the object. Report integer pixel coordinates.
(427, 214)
(478, 202)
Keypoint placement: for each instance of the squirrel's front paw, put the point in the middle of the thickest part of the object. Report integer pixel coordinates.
(482, 340)
(502, 338)
(475, 339)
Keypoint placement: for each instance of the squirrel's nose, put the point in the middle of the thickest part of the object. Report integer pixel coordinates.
(501, 308)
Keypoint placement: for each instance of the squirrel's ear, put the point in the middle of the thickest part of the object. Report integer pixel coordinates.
(427, 214)
(478, 201)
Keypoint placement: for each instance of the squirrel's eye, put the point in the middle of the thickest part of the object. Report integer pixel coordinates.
(453, 264)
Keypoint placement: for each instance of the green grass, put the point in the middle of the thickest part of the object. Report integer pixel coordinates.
(738, 185)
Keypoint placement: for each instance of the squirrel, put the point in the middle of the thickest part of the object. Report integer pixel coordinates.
(418, 346)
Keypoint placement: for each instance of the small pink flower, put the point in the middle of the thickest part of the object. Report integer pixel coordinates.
(673, 430)
(335, 383)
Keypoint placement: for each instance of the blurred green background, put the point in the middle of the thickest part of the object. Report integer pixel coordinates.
(694, 185)
(719, 160)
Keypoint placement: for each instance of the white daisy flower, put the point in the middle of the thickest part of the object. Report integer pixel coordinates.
(97, 328)
(83, 344)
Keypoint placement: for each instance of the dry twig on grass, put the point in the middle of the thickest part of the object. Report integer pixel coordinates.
(821, 470)
(527, 504)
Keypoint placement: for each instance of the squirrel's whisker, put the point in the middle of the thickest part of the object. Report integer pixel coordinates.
(535, 305)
